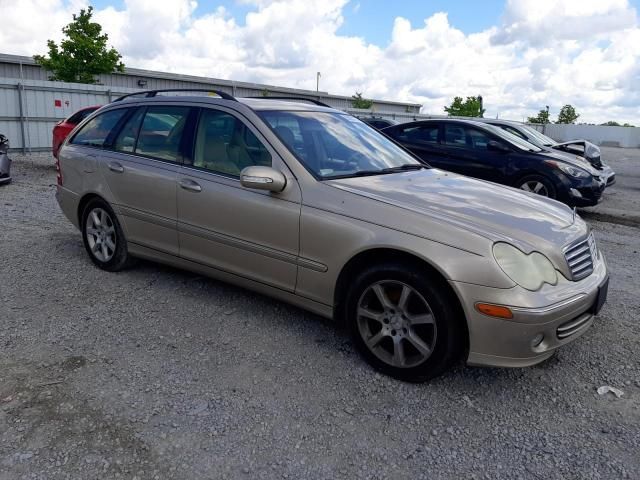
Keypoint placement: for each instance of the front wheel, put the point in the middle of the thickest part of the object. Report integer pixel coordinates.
(103, 237)
(537, 184)
(403, 323)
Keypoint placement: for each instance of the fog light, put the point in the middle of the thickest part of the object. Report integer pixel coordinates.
(537, 340)
(575, 193)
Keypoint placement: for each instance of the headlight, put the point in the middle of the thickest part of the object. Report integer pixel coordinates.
(529, 271)
(573, 171)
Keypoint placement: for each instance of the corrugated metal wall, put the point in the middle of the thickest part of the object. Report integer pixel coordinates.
(625, 137)
(30, 109)
(44, 103)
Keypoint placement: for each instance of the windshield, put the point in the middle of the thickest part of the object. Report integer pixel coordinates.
(332, 145)
(541, 137)
(513, 139)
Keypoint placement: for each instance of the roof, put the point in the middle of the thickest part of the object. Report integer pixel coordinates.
(500, 121)
(289, 105)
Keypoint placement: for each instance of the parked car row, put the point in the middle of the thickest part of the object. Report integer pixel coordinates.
(571, 172)
(307, 204)
(485, 151)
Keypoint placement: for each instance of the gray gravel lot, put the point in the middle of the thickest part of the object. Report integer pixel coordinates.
(160, 373)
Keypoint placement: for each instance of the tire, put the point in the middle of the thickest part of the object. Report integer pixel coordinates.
(103, 237)
(430, 314)
(531, 183)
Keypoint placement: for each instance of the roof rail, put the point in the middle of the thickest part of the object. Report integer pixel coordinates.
(300, 99)
(153, 93)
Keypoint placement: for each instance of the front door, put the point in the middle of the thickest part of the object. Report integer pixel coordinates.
(468, 153)
(250, 233)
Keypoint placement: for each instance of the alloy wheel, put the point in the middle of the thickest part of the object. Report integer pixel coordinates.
(101, 234)
(535, 187)
(396, 323)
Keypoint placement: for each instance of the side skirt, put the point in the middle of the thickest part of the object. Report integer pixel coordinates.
(157, 256)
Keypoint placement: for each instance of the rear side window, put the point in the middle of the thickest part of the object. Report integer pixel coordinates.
(419, 134)
(126, 139)
(161, 132)
(97, 130)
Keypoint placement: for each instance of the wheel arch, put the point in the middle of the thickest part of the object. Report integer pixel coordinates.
(373, 256)
(84, 201)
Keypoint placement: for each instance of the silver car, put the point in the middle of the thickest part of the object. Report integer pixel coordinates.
(311, 206)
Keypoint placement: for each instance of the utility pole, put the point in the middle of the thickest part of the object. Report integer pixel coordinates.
(318, 82)
(480, 100)
(544, 126)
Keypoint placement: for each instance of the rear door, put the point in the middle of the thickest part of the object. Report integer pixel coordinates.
(422, 139)
(468, 153)
(141, 170)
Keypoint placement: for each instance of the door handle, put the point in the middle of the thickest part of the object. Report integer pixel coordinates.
(116, 167)
(190, 185)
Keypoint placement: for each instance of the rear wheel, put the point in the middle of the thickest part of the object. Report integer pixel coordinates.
(537, 184)
(103, 237)
(403, 323)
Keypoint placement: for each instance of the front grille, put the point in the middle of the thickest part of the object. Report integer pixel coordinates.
(573, 326)
(580, 257)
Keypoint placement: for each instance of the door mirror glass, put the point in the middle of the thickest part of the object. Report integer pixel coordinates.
(263, 178)
(496, 146)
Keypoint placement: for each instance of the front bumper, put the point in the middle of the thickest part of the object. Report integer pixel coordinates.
(586, 195)
(561, 313)
(609, 175)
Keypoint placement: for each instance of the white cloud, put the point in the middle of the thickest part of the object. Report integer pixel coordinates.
(541, 52)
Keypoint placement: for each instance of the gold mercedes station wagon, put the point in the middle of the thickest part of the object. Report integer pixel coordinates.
(308, 204)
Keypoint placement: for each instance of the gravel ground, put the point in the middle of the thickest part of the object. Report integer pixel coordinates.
(160, 373)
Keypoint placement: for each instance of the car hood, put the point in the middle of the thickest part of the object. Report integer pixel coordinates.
(570, 158)
(581, 148)
(494, 211)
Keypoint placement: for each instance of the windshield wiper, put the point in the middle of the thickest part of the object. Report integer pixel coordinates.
(405, 167)
(382, 171)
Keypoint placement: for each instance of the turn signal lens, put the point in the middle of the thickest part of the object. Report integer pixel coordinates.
(494, 310)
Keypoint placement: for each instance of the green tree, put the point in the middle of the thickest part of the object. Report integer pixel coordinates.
(610, 123)
(360, 102)
(83, 54)
(628, 125)
(567, 115)
(471, 107)
(542, 117)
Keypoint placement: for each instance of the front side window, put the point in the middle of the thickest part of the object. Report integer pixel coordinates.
(459, 136)
(161, 132)
(225, 145)
(97, 130)
(516, 132)
(333, 145)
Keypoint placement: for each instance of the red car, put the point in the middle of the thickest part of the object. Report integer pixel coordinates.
(64, 127)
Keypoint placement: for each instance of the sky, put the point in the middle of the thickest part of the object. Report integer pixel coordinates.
(520, 55)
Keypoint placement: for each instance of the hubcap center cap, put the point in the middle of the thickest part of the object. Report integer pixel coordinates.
(395, 321)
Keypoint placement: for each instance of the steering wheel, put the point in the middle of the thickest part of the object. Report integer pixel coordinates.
(356, 158)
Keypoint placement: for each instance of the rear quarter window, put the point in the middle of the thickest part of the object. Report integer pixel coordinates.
(97, 130)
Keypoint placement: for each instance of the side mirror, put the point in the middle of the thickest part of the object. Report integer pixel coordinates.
(263, 178)
(496, 146)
